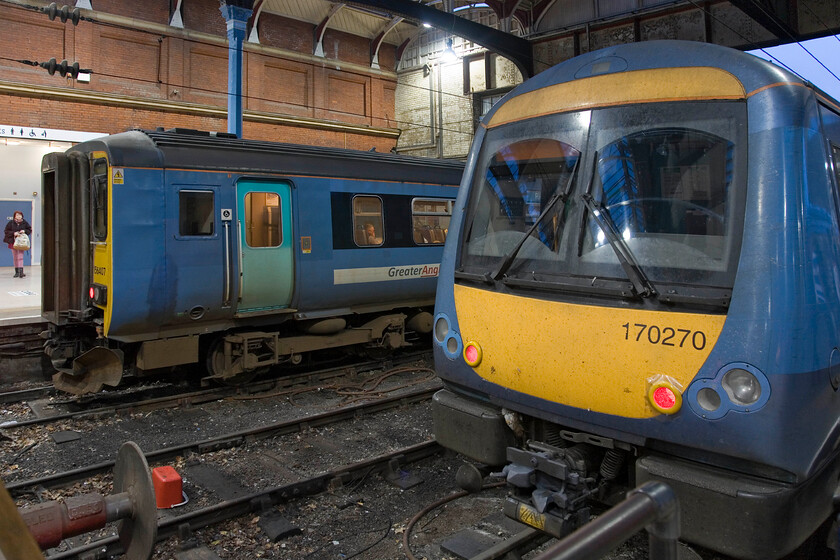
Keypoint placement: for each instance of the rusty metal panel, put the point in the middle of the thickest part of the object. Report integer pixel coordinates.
(568, 13)
(65, 268)
(54, 168)
(564, 14)
(607, 8)
(79, 253)
(155, 354)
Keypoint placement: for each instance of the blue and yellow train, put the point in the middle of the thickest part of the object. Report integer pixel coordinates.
(165, 248)
(642, 282)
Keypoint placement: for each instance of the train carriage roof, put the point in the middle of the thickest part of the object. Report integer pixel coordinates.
(752, 72)
(191, 149)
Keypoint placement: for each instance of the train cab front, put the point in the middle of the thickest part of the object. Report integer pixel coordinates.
(596, 325)
(76, 280)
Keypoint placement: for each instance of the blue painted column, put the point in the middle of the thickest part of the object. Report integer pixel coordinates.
(237, 22)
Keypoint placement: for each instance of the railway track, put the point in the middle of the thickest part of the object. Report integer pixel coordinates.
(135, 400)
(260, 501)
(204, 525)
(21, 395)
(257, 442)
(229, 440)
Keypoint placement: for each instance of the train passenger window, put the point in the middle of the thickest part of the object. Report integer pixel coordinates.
(262, 219)
(430, 219)
(195, 215)
(99, 199)
(368, 230)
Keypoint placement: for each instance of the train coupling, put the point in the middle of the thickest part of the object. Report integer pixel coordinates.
(552, 486)
(94, 369)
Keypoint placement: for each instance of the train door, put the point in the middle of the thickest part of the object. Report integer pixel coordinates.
(7, 213)
(189, 276)
(266, 260)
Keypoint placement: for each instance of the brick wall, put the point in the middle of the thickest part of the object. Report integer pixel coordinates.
(185, 67)
(283, 33)
(434, 114)
(204, 16)
(416, 112)
(69, 115)
(150, 10)
(457, 129)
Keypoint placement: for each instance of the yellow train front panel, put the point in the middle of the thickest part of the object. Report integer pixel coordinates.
(601, 359)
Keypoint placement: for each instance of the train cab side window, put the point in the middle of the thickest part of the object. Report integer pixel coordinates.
(368, 222)
(99, 199)
(831, 124)
(430, 220)
(831, 127)
(195, 214)
(262, 219)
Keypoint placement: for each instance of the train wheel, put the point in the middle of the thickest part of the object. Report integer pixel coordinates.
(232, 375)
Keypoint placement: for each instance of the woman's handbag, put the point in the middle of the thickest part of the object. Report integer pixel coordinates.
(21, 242)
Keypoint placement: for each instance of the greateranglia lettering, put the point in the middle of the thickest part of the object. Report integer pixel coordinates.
(425, 271)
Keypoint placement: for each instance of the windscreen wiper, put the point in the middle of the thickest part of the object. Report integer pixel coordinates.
(628, 262)
(473, 277)
(564, 196)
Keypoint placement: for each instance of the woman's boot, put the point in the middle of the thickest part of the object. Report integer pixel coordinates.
(17, 273)
(22, 275)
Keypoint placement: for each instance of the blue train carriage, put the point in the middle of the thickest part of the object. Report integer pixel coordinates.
(643, 283)
(165, 248)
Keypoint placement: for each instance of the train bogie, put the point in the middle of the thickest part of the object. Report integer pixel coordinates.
(180, 247)
(641, 284)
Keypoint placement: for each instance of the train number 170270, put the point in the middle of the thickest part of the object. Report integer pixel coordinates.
(666, 336)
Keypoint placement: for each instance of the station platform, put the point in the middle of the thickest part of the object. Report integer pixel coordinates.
(20, 298)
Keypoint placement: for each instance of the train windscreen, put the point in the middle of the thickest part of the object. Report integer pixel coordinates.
(575, 196)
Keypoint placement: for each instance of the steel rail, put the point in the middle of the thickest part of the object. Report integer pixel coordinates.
(211, 394)
(25, 394)
(519, 544)
(233, 439)
(257, 502)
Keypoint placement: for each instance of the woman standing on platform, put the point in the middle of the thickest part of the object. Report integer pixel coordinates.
(14, 229)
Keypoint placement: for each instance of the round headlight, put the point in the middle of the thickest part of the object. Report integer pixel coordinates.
(441, 329)
(708, 399)
(452, 345)
(741, 386)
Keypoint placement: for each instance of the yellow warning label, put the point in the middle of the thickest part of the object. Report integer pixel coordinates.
(117, 176)
(531, 517)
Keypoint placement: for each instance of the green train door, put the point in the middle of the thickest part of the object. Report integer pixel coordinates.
(266, 260)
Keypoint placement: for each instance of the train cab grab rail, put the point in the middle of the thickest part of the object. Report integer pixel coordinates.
(653, 506)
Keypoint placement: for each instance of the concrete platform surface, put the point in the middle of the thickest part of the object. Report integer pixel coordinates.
(20, 298)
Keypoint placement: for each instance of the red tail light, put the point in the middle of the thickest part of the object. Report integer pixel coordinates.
(98, 294)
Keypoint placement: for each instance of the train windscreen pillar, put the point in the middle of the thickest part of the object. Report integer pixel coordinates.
(236, 17)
